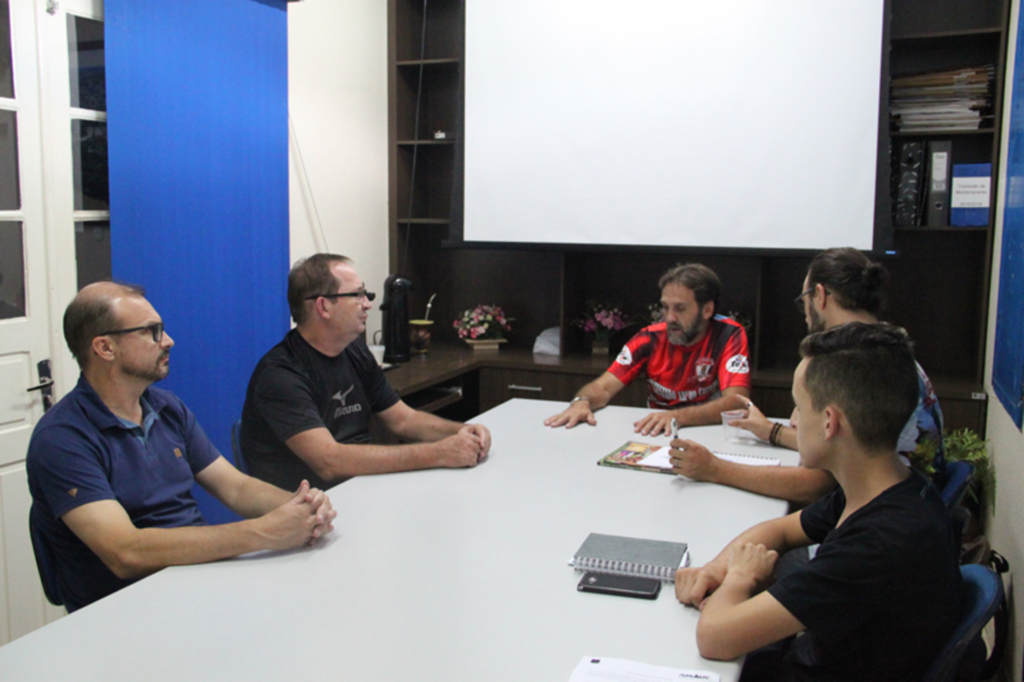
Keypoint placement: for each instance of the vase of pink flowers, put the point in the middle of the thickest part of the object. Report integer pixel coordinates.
(599, 322)
(483, 327)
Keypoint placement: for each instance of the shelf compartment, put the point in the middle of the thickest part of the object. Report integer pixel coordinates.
(946, 39)
(429, 63)
(424, 221)
(916, 17)
(432, 197)
(444, 29)
(439, 101)
(941, 228)
(422, 143)
(940, 133)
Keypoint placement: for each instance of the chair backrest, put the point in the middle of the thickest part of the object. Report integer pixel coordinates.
(46, 563)
(958, 476)
(236, 447)
(983, 591)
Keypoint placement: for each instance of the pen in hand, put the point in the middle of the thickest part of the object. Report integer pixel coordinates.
(675, 428)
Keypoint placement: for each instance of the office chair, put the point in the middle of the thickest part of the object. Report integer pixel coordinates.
(236, 447)
(983, 591)
(958, 476)
(45, 563)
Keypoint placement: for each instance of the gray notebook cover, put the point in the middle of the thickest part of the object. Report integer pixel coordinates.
(631, 556)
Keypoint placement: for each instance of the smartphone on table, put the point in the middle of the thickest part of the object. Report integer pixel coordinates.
(621, 585)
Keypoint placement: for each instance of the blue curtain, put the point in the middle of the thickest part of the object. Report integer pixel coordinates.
(197, 101)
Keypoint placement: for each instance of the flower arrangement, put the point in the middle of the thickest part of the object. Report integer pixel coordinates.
(601, 320)
(483, 322)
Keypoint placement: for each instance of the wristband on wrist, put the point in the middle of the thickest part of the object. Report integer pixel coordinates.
(773, 438)
(578, 398)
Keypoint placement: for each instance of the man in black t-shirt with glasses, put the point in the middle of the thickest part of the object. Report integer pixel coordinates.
(308, 405)
(882, 594)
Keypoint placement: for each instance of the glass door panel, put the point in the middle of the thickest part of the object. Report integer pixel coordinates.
(89, 150)
(92, 249)
(86, 62)
(10, 187)
(6, 72)
(12, 270)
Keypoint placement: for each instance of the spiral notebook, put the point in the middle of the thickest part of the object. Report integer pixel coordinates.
(631, 556)
(646, 457)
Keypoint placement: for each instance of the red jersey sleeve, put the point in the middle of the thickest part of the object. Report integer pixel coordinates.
(734, 365)
(632, 359)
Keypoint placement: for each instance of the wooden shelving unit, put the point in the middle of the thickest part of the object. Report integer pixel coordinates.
(940, 279)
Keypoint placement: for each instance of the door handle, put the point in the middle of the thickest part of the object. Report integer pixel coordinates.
(45, 385)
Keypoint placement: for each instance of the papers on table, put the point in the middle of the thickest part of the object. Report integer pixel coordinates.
(660, 458)
(592, 669)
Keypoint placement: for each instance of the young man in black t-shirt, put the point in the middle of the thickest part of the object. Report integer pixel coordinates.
(882, 594)
(309, 401)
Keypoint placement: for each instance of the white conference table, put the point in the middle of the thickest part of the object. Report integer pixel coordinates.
(430, 575)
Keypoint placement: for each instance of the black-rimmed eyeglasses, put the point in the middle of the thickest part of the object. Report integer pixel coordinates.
(362, 293)
(156, 330)
(799, 300)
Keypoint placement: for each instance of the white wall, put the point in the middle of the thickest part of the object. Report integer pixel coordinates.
(1006, 443)
(337, 99)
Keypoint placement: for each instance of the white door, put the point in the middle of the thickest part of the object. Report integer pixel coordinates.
(24, 310)
(54, 231)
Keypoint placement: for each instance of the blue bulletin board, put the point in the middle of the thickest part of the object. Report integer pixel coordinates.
(1008, 361)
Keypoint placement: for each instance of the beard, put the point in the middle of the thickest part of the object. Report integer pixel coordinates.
(815, 322)
(684, 336)
(153, 373)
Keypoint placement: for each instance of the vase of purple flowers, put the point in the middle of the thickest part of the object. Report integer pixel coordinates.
(599, 322)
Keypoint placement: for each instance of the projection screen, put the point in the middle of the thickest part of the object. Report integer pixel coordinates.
(746, 124)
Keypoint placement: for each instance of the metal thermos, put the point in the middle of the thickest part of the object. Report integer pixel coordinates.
(395, 327)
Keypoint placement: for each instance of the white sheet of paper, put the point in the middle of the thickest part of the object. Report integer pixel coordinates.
(660, 458)
(593, 669)
(657, 458)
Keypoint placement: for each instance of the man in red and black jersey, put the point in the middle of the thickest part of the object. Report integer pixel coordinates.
(695, 361)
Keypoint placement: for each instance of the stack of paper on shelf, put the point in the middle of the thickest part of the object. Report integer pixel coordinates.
(944, 100)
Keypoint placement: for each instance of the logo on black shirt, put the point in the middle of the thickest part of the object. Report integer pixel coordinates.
(345, 409)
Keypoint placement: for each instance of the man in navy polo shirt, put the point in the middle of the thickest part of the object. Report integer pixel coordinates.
(111, 466)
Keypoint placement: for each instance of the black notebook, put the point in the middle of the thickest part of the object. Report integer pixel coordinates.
(631, 556)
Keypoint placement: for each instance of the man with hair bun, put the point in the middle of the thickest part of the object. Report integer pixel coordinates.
(882, 594)
(842, 286)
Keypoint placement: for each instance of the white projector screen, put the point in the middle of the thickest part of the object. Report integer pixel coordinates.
(748, 124)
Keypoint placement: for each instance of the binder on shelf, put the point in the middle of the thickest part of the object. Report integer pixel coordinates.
(631, 556)
(971, 193)
(939, 169)
(907, 204)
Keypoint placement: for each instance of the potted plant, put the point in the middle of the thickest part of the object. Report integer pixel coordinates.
(964, 445)
(483, 327)
(598, 323)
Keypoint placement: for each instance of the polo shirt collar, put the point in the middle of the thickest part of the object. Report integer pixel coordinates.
(98, 412)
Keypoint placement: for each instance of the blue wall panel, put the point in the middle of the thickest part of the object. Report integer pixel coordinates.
(1008, 357)
(197, 98)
